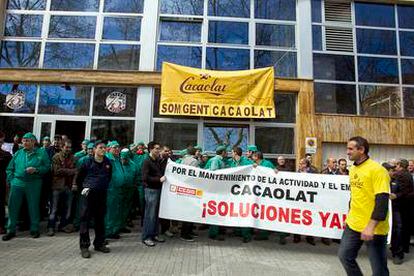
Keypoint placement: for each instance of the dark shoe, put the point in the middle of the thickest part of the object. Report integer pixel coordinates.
(336, 241)
(85, 253)
(35, 234)
(159, 239)
(193, 234)
(282, 240)
(260, 238)
(187, 238)
(397, 260)
(149, 243)
(2, 231)
(217, 238)
(169, 234)
(68, 228)
(297, 239)
(113, 236)
(247, 239)
(103, 249)
(50, 232)
(203, 227)
(125, 230)
(8, 236)
(326, 241)
(310, 240)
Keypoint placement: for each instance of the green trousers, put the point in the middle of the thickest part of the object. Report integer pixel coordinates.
(113, 215)
(126, 204)
(32, 192)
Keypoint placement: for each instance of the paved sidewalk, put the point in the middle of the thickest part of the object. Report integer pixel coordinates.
(60, 255)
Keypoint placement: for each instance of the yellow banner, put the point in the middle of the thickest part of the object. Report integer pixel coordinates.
(189, 91)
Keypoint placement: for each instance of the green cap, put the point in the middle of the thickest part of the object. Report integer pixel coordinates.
(125, 154)
(132, 145)
(29, 135)
(140, 143)
(198, 148)
(113, 144)
(252, 148)
(183, 152)
(221, 148)
(86, 142)
(46, 138)
(91, 145)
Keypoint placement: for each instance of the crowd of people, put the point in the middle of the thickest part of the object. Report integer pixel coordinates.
(106, 186)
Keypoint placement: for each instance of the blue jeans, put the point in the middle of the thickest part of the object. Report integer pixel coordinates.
(60, 198)
(377, 253)
(152, 204)
(396, 237)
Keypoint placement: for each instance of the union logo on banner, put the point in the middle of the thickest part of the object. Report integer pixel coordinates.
(116, 102)
(15, 100)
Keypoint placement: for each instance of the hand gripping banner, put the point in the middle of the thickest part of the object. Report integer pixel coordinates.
(187, 91)
(307, 204)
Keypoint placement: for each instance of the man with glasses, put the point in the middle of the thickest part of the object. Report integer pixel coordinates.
(93, 180)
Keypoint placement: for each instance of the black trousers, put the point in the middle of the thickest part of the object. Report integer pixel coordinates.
(407, 217)
(186, 229)
(2, 205)
(93, 206)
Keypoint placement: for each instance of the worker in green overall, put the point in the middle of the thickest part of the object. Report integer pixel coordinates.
(84, 151)
(24, 174)
(217, 163)
(138, 158)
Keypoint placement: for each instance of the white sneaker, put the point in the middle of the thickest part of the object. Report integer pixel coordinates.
(169, 234)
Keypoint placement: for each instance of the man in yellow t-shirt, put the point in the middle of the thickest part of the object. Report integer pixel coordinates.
(367, 220)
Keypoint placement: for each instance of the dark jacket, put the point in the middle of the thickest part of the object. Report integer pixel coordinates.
(94, 175)
(151, 173)
(405, 185)
(327, 171)
(5, 158)
(63, 170)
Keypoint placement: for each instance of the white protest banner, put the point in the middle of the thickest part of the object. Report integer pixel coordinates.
(299, 203)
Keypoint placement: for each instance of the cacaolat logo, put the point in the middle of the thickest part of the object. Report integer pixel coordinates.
(204, 84)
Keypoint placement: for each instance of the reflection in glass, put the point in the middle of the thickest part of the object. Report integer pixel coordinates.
(227, 59)
(317, 38)
(371, 69)
(17, 99)
(407, 71)
(285, 105)
(229, 136)
(188, 56)
(122, 28)
(19, 54)
(333, 67)
(376, 42)
(72, 26)
(284, 62)
(189, 7)
(119, 57)
(45, 129)
(114, 101)
(379, 15)
(275, 35)
(26, 4)
(23, 25)
(275, 9)
(180, 31)
(380, 100)
(15, 125)
(408, 93)
(69, 55)
(69, 100)
(406, 43)
(335, 98)
(231, 8)
(228, 32)
(77, 5)
(405, 17)
(176, 136)
(316, 11)
(109, 130)
(127, 6)
(275, 140)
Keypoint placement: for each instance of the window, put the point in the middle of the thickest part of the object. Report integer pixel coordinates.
(372, 69)
(122, 28)
(177, 136)
(180, 31)
(317, 38)
(189, 7)
(17, 98)
(406, 43)
(69, 100)
(405, 16)
(228, 32)
(275, 140)
(15, 125)
(19, 54)
(376, 42)
(119, 57)
(227, 59)
(407, 68)
(124, 6)
(108, 130)
(408, 93)
(284, 62)
(72, 26)
(285, 105)
(188, 56)
(335, 98)
(23, 25)
(380, 100)
(230, 136)
(333, 67)
(275, 9)
(114, 101)
(26, 4)
(69, 55)
(316, 6)
(378, 15)
(82, 5)
(275, 35)
(230, 8)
